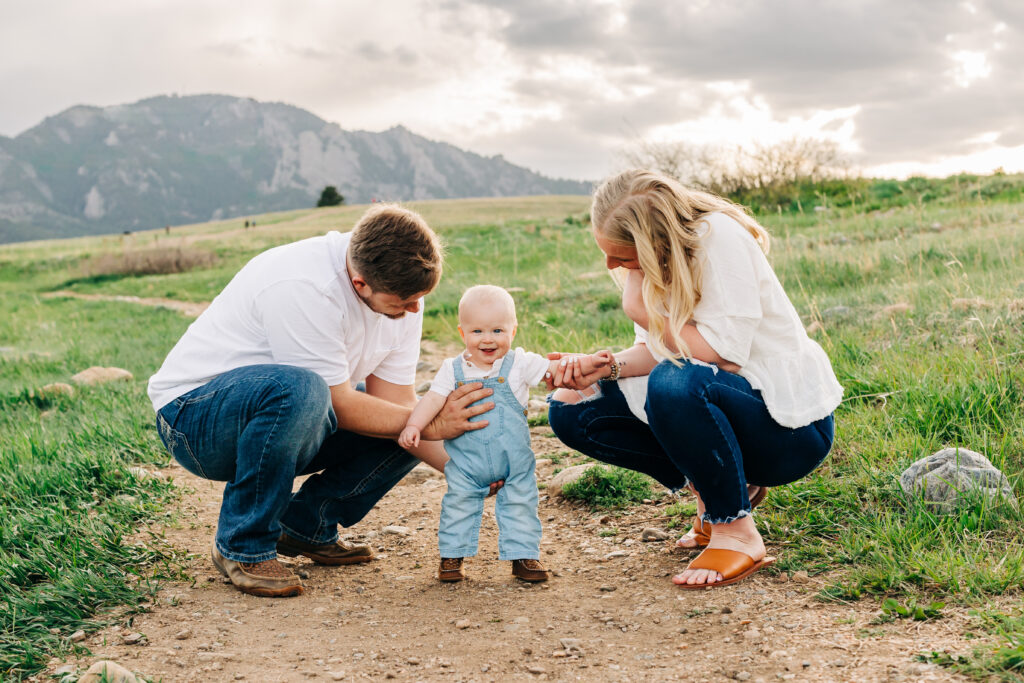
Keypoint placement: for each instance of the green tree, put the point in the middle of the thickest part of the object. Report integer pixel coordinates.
(330, 197)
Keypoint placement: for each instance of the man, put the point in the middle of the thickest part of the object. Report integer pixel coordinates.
(261, 389)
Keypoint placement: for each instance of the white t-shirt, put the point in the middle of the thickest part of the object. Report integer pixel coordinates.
(527, 370)
(746, 317)
(292, 305)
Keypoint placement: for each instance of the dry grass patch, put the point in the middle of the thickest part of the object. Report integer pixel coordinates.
(148, 262)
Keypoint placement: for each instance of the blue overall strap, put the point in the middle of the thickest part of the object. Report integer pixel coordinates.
(460, 379)
(506, 365)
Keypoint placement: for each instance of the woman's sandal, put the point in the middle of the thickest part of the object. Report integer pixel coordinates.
(701, 531)
(731, 564)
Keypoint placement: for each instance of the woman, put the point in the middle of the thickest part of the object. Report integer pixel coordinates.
(723, 390)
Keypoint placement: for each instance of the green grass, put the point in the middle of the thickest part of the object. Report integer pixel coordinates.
(949, 371)
(603, 487)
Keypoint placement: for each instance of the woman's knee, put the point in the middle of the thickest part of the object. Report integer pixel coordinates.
(563, 418)
(678, 383)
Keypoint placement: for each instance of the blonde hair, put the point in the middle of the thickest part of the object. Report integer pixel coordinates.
(488, 295)
(661, 219)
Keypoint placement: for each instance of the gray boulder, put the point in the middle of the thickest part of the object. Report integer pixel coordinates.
(567, 476)
(941, 478)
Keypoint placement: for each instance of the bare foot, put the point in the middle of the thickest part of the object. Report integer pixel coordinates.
(740, 535)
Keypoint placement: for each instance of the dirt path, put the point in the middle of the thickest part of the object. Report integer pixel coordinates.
(602, 617)
(189, 308)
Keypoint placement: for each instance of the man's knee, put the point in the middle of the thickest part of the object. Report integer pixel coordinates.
(306, 397)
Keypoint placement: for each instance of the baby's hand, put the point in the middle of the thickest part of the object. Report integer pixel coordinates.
(594, 361)
(409, 438)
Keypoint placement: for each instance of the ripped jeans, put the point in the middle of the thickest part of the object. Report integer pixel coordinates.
(707, 426)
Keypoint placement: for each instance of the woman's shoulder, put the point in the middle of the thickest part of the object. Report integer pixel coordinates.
(722, 234)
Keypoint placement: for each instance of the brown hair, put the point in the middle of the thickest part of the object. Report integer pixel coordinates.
(395, 251)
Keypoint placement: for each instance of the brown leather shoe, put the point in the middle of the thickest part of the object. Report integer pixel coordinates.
(267, 579)
(339, 552)
(451, 569)
(529, 570)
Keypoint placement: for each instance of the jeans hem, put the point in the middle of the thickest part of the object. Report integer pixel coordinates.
(727, 520)
(521, 555)
(458, 552)
(308, 539)
(246, 557)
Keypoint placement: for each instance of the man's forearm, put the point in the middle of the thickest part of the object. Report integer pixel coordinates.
(432, 453)
(368, 415)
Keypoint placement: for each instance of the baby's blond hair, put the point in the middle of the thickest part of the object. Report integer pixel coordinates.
(488, 295)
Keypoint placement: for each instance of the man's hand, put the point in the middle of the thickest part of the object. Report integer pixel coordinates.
(453, 419)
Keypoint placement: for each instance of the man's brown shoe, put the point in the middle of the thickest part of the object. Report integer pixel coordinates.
(451, 569)
(339, 552)
(267, 579)
(529, 570)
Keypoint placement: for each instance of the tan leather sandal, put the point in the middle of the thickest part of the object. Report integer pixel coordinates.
(701, 531)
(731, 564)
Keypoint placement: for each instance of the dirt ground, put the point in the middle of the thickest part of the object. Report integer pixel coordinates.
(610, 612)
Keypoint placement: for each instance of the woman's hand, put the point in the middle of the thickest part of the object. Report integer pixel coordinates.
(573, 374)
(633, 297)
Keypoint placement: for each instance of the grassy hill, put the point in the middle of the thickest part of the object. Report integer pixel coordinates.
(920, 306)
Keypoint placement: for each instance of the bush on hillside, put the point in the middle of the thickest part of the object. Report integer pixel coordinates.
(148, 262)
(330, 197)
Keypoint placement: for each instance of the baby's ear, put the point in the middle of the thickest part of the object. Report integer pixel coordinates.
(462, 333)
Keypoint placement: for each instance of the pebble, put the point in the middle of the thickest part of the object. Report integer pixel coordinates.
(302, 574)
(652, 534)
(396, 530)
(726, 610)
(78, 636)
(536, 669)
(108, 672)
(183, 634)
(801, 577)
(752, 634)
(742, 676)
(413, 660)
(570, 644)
(607, 589)
(336, 675)
(462, 624)
(616, 553)
(134, 639)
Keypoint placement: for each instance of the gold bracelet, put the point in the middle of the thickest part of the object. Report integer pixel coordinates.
(616, 370)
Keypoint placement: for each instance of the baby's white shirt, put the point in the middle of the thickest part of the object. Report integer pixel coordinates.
(527, 371)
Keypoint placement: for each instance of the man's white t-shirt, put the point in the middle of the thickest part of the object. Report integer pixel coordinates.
(292, 305)
(746, 317)
(528, 370)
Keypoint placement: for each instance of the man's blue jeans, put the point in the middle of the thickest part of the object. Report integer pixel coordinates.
(707, 426)
(257, 428)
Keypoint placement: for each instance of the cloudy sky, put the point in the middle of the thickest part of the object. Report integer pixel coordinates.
(562, 87)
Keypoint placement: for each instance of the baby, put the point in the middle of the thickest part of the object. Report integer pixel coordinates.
(499, 451)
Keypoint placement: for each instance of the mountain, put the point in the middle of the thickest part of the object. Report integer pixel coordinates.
(173, 160)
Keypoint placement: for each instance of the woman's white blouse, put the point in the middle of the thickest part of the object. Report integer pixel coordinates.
(746, 317)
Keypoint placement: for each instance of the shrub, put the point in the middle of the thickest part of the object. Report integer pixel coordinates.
(609, 487)
(148, 262)
(330, 197)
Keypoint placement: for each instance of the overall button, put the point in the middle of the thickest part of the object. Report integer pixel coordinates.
(501, 380)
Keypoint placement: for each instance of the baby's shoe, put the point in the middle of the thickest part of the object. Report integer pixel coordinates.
(451, 569)
(529, 570)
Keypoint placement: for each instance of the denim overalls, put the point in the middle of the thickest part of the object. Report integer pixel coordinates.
(501, 450)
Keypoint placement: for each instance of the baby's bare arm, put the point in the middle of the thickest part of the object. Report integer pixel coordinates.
(426, 410)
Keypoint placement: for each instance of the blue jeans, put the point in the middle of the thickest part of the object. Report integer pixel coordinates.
(707, 426)
(257, 428)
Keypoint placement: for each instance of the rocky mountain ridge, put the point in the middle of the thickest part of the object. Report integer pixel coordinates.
(171, 160)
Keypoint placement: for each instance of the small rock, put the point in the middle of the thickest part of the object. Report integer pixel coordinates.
(134, 638)
(566, 476)
(422, 387)
(943, 477)
(894, 309)
(570, 644)
(413, 661)
(742, 676)
(302, 573)
(462, 624)
(336, 675)
(616, 553)
(726, 610)
(782, 578)
(652, 534)
(99, 375)
(607, 589)
(800, 577)
(396, 530)
(108, 672)
(779, 654)
(534, 669)
(64, 670)
(183, 634)
(805, 664)
(77, 636)
(752, 635)
(56, 389)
